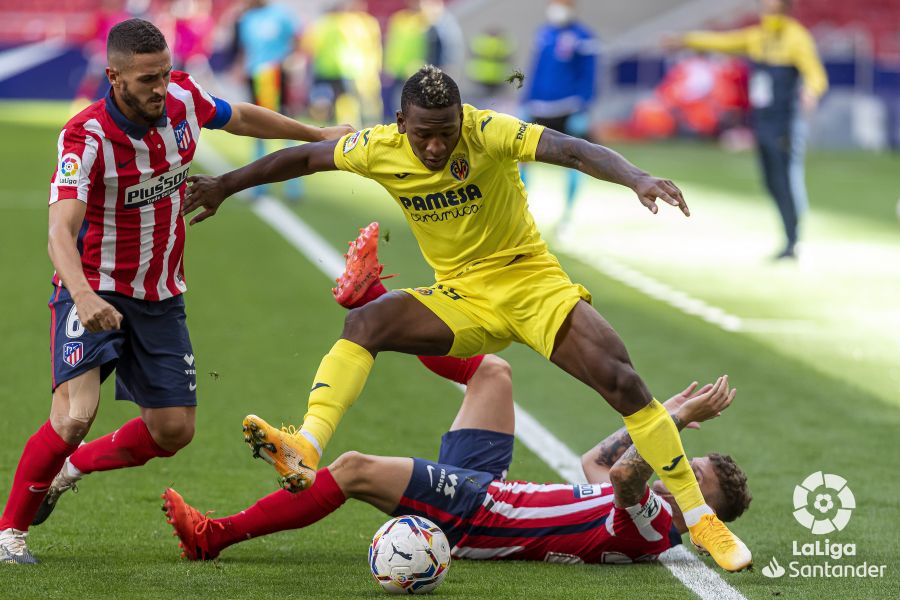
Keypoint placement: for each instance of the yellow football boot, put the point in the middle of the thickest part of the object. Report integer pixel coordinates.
(711, 536)
(292, 455)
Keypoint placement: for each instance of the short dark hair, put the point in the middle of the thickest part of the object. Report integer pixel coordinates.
(735, 494)
(429, 87)
(135, 36)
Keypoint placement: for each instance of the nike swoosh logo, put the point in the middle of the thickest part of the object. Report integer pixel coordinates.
(401, 175)
(31, 488)
(674, 464)
(122, 165)
(319, 385)
(485, 122)
(192, 386)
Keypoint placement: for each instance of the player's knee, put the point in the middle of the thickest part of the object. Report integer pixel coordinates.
(351, 469)
(172, 435)
(626, 391)
(361, 327)
(495, 367)
(72, 431)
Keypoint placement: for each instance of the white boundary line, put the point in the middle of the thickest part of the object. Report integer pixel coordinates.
(20, 59)
(682, 563)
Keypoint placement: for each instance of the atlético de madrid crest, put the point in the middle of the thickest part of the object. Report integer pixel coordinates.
(73, 352)
(459, 168)
(183, 135)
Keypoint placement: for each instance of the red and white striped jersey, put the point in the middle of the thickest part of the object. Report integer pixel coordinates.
(132, 178)
(566, 523)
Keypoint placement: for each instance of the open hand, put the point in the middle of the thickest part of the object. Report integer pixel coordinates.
(708, 404)
(203, 191)
(674, 403)
(649, 189)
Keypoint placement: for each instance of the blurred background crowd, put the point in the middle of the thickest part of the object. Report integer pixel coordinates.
(774, 75)
(346, 59)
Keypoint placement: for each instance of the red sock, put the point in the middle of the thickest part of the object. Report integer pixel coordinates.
(129, 446)
(280, 511)
(375, 291)
(43, 457)
(459, 370)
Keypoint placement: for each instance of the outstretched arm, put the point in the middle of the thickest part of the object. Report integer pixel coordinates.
(210, 192)
(255, 121)
(603, 163)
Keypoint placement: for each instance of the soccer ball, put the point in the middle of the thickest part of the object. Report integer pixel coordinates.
(409, 555)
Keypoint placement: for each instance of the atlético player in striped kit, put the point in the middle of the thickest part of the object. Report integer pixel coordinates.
(614, 518)
(116, 239)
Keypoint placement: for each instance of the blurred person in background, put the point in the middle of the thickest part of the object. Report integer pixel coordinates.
(405, 49)
(783, 54)
(265, 39)
(364, 58)
(561, 84)
(490, 63)
(445, 43)
(344, 46)
(193, 47)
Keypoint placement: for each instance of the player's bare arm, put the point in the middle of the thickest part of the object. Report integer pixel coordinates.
(630, 473)
(210, 192)
(604, 163)
(258, 122)
(66, 218)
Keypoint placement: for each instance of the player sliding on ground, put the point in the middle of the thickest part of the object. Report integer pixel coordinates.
(615, 518)
(453, 170)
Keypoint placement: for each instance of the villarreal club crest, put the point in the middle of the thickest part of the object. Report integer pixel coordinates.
(459, 168)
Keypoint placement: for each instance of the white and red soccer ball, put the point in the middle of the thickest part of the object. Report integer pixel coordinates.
(409, 555)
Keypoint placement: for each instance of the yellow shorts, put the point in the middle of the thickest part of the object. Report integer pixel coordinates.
(523, 299)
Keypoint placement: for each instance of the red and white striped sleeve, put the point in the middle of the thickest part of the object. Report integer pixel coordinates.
(649, 519)
(75, 168)
(211, 112)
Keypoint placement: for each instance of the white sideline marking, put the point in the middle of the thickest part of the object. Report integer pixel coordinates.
(682, 563)
(696, 576)
(663, 292)
(19, 60)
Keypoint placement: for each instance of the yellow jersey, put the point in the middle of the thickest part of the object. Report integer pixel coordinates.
(778, 41)
(473, 210)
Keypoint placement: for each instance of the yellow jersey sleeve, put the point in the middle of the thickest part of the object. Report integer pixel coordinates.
(732, 42)
(505, 137)
(352, 152)
(807, 61)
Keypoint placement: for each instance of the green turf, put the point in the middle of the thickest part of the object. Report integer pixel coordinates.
(261, 317)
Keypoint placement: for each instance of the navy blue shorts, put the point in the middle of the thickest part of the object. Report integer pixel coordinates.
(151, 354)
(449, 491)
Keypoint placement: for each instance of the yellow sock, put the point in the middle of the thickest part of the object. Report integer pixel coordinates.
(338, 383)
(657, 441)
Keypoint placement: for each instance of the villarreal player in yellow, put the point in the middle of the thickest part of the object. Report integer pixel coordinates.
(453, 171)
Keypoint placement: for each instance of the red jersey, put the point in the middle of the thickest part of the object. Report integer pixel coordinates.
(132, 178)
(566, 523)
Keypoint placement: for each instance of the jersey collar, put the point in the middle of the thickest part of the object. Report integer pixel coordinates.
(131, 129)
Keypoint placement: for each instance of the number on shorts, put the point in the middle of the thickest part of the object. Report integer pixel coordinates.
(450, 292)
(74, 328)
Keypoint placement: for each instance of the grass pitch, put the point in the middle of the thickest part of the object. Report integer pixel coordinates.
(815, 364)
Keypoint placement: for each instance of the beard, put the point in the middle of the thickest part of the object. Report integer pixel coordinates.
(147, 114)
